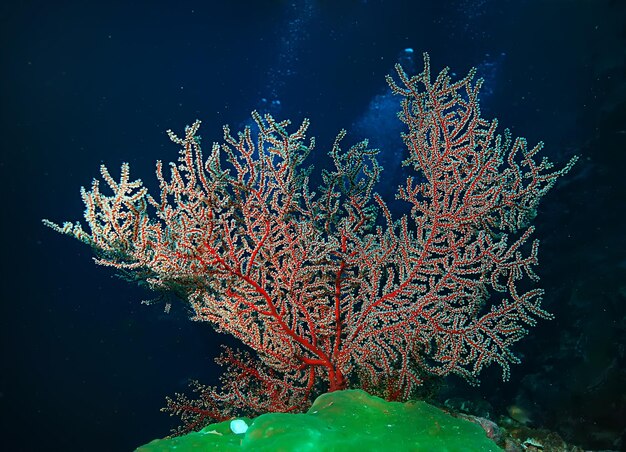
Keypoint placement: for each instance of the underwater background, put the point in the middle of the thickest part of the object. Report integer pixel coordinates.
(85, 83)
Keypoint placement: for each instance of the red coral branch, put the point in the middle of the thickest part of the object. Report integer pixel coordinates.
(326, 293)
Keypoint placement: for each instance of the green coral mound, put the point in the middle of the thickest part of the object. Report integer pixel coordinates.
(341, 421)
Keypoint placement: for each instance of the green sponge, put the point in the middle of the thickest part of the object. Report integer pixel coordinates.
(349, 420)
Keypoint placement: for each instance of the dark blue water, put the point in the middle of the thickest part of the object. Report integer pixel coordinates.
(85, 365)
